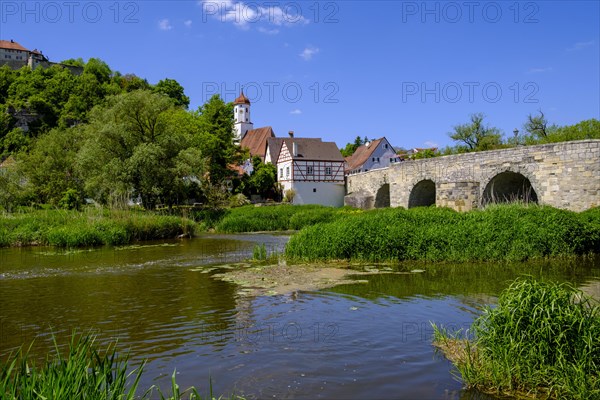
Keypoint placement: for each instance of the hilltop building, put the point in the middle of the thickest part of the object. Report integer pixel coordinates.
(17, 56)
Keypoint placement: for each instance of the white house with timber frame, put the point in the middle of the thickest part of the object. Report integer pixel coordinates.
(313, 169)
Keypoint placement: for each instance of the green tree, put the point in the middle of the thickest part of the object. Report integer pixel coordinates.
(263, 179)
(50, 168)
(99, 69)
(174, 90)
(475, 135)
(140, 144)
(215, 138)
(10, 187)
(350, 148)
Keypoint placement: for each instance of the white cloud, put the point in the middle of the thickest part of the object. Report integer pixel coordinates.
(308, 53)
(430, 144)
(581, 45)
(188, 23)
(296, 112)
(164, 25)
(539, 70)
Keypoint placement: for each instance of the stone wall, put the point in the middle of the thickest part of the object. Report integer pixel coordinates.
(564, 175)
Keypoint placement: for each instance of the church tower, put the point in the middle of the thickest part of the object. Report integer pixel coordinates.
(241, 117)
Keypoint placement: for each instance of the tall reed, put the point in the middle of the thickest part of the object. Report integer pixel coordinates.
(543, 338)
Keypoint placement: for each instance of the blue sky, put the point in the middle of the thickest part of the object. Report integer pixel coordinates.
(406, 70)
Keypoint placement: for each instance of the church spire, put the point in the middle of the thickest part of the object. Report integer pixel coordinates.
(241, 117)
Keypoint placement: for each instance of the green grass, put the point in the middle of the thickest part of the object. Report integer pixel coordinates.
(91, 227)
(84, 372)
(276, 218)
(542, 339)
(498, 233)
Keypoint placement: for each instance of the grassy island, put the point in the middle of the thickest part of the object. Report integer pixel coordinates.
(542, 340)
(498, 233)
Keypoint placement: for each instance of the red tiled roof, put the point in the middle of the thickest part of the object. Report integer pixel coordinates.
(11, 45)
(242, 99)
(362, 154)
(256, 141)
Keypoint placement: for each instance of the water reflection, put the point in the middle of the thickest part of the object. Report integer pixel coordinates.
(366, 340)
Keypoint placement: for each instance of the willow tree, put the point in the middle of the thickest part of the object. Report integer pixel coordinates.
(140, 145)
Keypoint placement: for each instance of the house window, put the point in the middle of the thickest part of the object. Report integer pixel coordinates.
(386, 146)
(287, 172)
(310, 170)
(314, 190)
(373, 159)
(327, 170)
(281, 172)
(377, 159)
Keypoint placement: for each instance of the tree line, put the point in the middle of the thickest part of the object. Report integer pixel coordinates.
(113, 139)
(476, 135)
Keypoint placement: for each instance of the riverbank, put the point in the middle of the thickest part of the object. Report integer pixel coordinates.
(84, 371)
(281, 217)
(542, 340)
(91, 227)
(497, 233)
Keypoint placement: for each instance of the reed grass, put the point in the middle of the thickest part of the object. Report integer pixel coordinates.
(497, 233)
(84, 372)
(543, 339)
(91, 227)
(276, 218)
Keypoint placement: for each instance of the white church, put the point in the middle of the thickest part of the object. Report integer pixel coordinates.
(313, 169)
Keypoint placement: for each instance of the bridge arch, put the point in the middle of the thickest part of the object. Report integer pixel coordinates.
(507, 187)
(422, 194)
(382, 197)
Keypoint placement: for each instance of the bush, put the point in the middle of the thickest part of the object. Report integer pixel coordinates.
(498, 233)
(542, 338)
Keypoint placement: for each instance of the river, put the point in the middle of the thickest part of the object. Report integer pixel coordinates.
(160, 301)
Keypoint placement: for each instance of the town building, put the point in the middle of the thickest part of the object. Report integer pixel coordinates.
(375, 154)
(313, 170)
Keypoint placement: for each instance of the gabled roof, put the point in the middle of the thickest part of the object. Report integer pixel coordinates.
(362, 154)
(274, 147)
(256, 141)
(11, 45)
(314, 149)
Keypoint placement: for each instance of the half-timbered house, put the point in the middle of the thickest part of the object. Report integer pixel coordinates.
(313, 169)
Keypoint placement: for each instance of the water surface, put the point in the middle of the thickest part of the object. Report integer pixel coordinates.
(363, 340)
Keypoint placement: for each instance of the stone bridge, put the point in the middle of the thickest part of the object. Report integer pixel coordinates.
(563, 175)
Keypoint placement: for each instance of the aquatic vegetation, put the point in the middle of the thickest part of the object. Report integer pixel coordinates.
(497, 233)
(543, 339)
(276, 218)
(92, 227)
(84, 372)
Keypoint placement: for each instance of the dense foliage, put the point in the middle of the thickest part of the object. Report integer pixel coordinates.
(543, 338)
(89, 228)
(507, 232)
(276, 218)
(111, 138)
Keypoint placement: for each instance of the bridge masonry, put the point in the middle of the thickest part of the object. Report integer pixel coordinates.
(563, 175)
